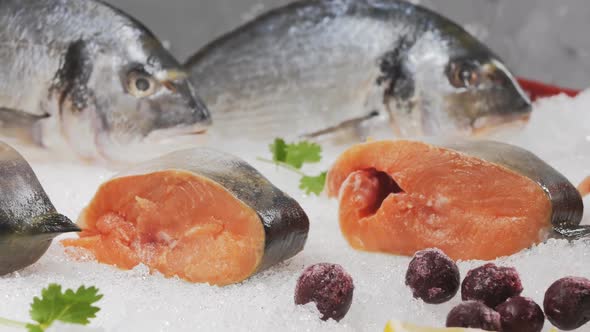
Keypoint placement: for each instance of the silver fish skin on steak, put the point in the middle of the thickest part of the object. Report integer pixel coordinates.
(566, 201)
(85, 76)
(318, 67)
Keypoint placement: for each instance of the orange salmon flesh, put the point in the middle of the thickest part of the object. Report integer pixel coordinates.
(177, 223)
(400, 197)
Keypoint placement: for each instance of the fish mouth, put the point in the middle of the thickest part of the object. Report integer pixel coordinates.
(489, 124)
(171, 133)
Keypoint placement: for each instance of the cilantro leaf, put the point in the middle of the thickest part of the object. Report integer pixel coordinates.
(313, 184)
(292, 156)
(69, 307)
(303, 152)
(279, 150)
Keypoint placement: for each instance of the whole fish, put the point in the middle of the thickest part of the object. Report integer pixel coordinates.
(316, 67)
(84, 73)
(28, 219)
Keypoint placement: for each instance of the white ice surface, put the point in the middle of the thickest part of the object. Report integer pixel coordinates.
(134, 300)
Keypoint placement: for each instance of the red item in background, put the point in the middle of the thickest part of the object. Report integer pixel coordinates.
(538, 90)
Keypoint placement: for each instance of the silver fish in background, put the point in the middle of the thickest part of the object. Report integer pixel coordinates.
(83, 73)
(319, 67)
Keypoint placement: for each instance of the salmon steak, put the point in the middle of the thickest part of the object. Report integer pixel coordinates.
(471, 199)
(199, 214)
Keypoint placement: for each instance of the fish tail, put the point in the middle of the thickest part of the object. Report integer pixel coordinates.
(573, 233)
(53, 223)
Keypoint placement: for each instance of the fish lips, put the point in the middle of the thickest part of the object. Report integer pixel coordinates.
(488, 110)
(488, 124)
(519, 116)
(178, 115)
(168, 133)
(199, 112)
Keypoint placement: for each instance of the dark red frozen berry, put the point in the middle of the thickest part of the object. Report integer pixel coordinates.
(474, 314)
(433, 276)
(521, 314)
(329, 287)
(567, 303)
(491, 284)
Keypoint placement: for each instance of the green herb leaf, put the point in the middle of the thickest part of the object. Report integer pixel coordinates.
(313, 184)
(292, 157)
(69, 307)
(279, 150)
(303, 152)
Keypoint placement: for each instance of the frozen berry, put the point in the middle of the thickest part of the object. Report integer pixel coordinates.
(474, 314)
(433, 276)
(521, 314)
(491, 284)
(329, 287)
(567, 303)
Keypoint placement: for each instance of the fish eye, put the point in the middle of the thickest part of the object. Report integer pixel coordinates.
(140, 84)
(463, 75)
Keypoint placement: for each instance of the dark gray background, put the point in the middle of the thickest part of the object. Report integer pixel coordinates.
(547, 40)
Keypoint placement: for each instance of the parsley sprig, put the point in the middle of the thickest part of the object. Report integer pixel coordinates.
(75, 307)
(293, 156)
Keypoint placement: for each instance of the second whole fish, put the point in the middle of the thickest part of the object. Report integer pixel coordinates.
(319, 67)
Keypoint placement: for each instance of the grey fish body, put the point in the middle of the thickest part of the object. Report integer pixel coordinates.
(566, 201)
(28, 219)
(285, 223)
(94, 77)
(280, 77)
(320, 64)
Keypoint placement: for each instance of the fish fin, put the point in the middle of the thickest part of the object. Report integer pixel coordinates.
(351, 123)
(71, 79)
(572, 233)
(19, 124)
(53, 223)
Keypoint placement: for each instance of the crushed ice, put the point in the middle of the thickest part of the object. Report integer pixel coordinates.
(139, 301)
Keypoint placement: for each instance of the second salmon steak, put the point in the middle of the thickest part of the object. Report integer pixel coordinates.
(471, 199)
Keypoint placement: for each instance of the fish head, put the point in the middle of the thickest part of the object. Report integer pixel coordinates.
(453, 85)
(135, 94)
(158, 103)
(484, 95)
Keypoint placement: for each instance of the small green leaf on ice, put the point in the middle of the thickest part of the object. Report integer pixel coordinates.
(69, 307)
(53, 305)
(279, 150)
(293, 156)
(303, 152)
(313, 184)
